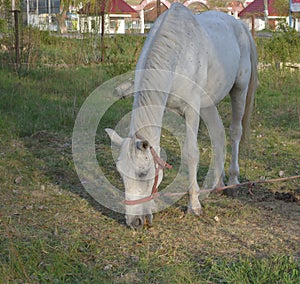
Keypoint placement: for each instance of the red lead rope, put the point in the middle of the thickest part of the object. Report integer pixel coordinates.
(159, 161)
(159, 164)
(250, 184)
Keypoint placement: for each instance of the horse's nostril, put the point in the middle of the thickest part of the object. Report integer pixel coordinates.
(137, 223)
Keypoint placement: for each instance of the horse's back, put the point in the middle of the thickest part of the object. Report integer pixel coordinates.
(226, 33)
(229, 54)
(215, 22)
(205, 48)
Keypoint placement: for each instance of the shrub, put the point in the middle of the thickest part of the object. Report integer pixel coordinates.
(284, 46)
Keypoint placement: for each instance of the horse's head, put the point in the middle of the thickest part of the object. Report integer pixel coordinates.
(138, 169)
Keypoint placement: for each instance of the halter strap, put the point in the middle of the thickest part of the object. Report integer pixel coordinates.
(159, 164)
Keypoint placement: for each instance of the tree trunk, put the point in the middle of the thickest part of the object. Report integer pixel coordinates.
(61, 19)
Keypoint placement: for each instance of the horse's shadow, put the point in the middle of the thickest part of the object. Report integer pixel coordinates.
(56, 154)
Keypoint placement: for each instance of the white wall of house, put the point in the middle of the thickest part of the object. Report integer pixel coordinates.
(117, 23)
(113, 24)
(297, 25)
(42, 21)
(259, 24)
(92, 24)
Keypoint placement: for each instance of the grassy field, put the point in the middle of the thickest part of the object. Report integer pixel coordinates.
(52, 231)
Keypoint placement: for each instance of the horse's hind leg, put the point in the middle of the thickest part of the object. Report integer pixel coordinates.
(216, 130)
(191, 156)
(238, 100)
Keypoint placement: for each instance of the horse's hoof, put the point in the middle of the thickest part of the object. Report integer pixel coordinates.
(230, 192)
(196, 211)
(233, 181)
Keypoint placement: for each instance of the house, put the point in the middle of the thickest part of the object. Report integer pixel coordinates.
(149, 10)
(118, 17)
(262, 14)
(40, 13)
(234, 8)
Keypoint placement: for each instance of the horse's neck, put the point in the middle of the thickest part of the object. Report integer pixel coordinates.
(152, 88)
(155, 72)
(147, 116)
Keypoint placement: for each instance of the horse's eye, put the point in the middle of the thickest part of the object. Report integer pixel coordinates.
(142, 174)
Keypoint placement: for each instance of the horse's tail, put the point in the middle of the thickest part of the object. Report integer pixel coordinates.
(251, 88)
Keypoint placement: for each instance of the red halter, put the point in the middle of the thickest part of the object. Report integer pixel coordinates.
(159, 164)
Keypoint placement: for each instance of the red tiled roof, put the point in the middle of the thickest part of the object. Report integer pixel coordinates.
(119, 6)
(257, 8)
(108, 6)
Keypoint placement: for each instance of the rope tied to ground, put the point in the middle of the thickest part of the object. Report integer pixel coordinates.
(250, 184)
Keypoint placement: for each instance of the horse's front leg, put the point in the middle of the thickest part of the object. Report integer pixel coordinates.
(191, 156)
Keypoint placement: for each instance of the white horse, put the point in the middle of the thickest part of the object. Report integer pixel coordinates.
(189, 63)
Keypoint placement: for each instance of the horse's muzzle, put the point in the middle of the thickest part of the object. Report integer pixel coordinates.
(138, 222)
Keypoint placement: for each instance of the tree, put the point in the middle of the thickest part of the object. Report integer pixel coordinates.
(64, 8)
(282, 6)
(61, 17)
(218, 4)
(4, 7)
(92, 7)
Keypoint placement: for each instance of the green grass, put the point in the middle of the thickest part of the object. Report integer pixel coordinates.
(255, 270)
(52, 231)
(41, 49)
(46, 98)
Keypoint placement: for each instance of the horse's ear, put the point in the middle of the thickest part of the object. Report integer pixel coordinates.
(114, 136)
(142, 145)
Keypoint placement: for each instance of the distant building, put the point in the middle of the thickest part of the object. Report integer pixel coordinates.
(261, 14)
(119, 17)
(41, 13)
(234, 8)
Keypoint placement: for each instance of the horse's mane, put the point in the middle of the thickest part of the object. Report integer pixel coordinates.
(168, 39)
(170, 36)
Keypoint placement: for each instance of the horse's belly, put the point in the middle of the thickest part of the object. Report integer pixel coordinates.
(177, 104)
(219, 84)
(222, 73)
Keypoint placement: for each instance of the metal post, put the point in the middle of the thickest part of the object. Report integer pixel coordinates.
(17, 38)
(17, 33)
(253, 25)
(142, 21)
(27, 12)
(266, 14)
(290, 13)
(49, 12)
(102, 37)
